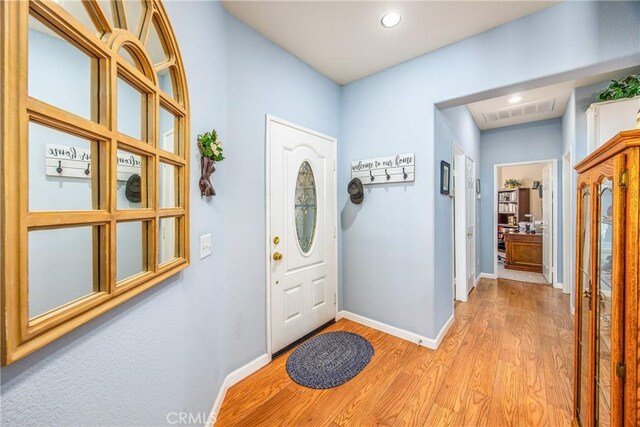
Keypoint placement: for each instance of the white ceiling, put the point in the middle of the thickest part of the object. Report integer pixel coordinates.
(345, 41)
(534, 105)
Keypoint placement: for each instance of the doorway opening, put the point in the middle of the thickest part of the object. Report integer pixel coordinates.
(525, 221)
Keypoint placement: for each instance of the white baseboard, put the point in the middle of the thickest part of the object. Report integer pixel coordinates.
(431, 343)
(488, 276)
(558, 285)
(233, 378)
(572, 309)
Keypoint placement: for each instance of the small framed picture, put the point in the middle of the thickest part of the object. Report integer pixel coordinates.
(445, 177)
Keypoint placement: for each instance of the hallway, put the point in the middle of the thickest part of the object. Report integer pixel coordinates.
(507, 360)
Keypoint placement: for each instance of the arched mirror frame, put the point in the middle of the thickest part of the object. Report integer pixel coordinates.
(22, 335)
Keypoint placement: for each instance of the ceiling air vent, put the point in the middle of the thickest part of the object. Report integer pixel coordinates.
(530, 108)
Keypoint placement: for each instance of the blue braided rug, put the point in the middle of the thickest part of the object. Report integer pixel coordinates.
(330, 359)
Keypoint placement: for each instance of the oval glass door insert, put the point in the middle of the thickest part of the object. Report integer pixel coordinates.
(305, 207)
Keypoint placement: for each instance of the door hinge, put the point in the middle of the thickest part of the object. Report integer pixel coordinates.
(621, 370)
(623, 178)
(335, 299)
(334, 165)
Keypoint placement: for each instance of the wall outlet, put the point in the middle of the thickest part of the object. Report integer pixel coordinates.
(206, 245)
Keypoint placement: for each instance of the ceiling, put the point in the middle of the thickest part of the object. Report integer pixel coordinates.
(537, 104)
(345, 41)
(541, 103)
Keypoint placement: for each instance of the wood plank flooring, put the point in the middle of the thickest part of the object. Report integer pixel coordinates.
(507, 360)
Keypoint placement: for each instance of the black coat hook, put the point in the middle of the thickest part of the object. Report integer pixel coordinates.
(59, 168)
(371, 175)
(87, 171)
(387, 173)
(404, 174)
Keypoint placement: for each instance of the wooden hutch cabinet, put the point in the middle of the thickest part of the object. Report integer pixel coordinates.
(607, 277)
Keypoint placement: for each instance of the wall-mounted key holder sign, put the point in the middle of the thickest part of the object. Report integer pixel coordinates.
(75, 162)
(383, 170)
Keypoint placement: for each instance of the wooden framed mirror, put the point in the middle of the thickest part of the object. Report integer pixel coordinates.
(95, 124)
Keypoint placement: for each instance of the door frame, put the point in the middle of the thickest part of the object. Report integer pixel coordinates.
(460, 241)
(567, 241)
(554, 238)
(269, 119)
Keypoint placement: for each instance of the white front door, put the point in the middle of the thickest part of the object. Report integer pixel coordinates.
(547, 222)
(470, 214)
(302, 231)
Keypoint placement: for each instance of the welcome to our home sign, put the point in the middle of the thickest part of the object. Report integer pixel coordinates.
(384, 170)
(75, 162)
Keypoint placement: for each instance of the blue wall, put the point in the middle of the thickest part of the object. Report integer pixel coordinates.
(521, 143)
(169, 349)
(452, 125)
(393, 111)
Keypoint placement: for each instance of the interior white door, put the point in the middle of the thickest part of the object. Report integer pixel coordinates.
(470, 215)
(547, 222)
(302, 212)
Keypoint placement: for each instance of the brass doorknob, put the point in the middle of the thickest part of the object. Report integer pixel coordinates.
(277, 256)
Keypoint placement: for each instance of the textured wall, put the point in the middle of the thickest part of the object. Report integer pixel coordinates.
(393, 111)
(169, 349)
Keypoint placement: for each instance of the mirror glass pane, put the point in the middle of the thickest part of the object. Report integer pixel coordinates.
(128, 56)
(61, 170)
(167, 239)
(78, 11)
(165, 81)
(168, 197)
(61, 263)
(132, 180)
(168, 137)
(154, 46)
(584, 289)
(131, 249)
(604, 299)
(107, 9)
(60, 74)
(134, 10)
(305, 207)
(131, 110)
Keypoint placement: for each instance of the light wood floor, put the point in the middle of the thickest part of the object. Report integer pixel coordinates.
(506, 361)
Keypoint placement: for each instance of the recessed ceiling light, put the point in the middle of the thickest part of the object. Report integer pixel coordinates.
(390, 19)
(514, 99)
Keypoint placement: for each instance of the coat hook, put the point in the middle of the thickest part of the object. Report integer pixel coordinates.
(371, 175)
(59, 168)
(87, 171)
(404, 174)
(387, 173)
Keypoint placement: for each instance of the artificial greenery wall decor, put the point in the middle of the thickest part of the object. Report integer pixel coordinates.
(211, 150)
(626, 87)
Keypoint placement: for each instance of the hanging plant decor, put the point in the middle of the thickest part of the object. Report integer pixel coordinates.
(211, 150)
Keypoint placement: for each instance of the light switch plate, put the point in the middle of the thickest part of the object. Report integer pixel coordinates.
(206, 245)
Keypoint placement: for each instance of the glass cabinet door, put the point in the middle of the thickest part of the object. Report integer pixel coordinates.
(603, 303)
(584, 306)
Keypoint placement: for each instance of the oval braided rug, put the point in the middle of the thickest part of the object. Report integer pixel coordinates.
(329, 359)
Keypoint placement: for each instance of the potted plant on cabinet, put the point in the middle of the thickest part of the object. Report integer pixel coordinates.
(210, 148)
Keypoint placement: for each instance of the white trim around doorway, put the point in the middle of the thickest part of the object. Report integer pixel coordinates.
(554, 162)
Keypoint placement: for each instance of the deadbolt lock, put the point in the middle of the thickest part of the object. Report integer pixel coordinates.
(276, 240)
